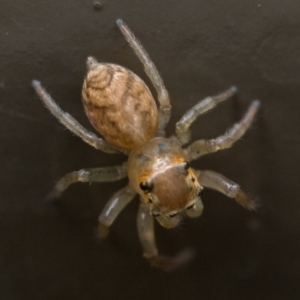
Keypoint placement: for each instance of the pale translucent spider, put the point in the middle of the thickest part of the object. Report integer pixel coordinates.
(120, 106)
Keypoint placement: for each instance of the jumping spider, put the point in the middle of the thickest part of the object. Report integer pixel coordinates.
(122, 109)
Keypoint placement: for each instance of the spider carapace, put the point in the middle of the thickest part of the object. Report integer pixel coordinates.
(122, 109)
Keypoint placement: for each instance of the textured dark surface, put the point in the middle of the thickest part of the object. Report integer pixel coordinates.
(200, 48)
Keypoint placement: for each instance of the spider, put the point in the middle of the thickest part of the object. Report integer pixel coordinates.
(122, 109)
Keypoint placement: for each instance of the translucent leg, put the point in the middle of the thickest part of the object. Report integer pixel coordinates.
(151, 71)
(168, 222)
(203, 147)
(182, 129)
(105, 174)
(225, 186)
(146, 234)
(68, 121)
(195, 211)
(113, 208)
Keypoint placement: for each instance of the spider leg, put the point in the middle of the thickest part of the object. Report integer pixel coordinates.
(105, 174)
(182, 129)
(197, 210)
(113, 208)
(202, 147)
(145, 226)
(72, 124)
(220, 183)
(153, 74)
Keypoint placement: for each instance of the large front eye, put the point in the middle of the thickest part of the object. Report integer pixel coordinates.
(186, 165)
(146, 186)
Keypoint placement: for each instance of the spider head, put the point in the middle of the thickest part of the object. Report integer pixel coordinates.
(170, 190)
(163, 178)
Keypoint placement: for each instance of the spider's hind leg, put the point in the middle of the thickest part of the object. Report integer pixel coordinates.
(68, 121)
(153, 74)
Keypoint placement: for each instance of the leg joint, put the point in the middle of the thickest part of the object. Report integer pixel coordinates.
(83, 175)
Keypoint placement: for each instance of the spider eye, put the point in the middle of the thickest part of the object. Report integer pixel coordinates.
(145, 186)
(186, 165)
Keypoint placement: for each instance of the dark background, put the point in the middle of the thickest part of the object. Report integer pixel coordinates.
(200, 48)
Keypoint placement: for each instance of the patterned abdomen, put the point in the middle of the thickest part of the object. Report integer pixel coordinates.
(119, 105)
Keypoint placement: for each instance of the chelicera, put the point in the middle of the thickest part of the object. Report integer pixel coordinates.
(122, 109)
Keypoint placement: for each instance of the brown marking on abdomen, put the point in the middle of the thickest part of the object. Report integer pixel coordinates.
(120, 106)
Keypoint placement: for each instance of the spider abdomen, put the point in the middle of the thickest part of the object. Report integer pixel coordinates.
(119, 105)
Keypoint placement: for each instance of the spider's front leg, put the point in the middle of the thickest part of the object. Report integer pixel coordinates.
(183, 125)
(225, 141)
(153, 74)
(67, 120)
(113, 208)
(220, 183)
(105, 174)
(145, 224)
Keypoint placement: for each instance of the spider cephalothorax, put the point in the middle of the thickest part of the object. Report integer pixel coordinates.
(120, 106)
(164, 179)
